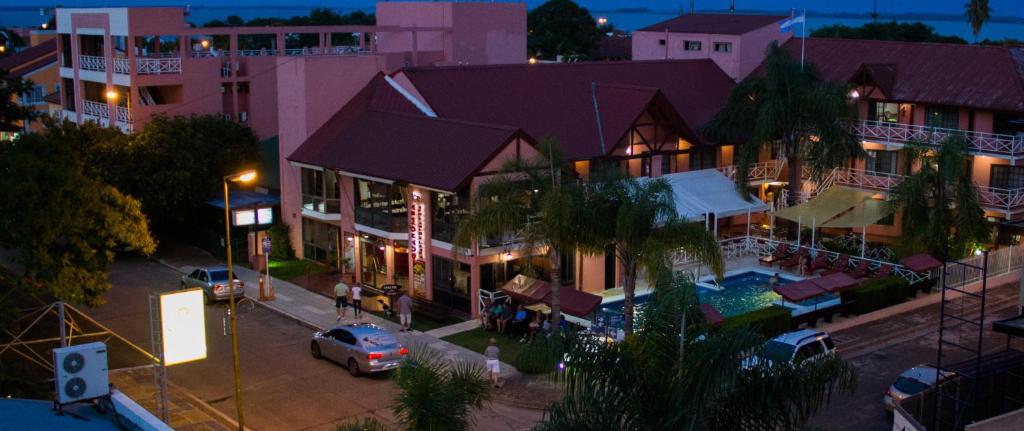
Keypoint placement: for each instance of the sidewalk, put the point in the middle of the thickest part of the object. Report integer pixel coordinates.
(185, 412)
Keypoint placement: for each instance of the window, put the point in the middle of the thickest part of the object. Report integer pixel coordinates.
(881, 161)
(219, 275)
(374, 261)
(381, 205)
(702, 158)
(1007, 177)
(451, 283)
(448, 209)
(1008, 124)
(661, 41)
(320, 191)
(810, 350)
(723, 46)
(691, 45)
(884, 111)
(319, 240)
(343, 336)
(35, 94)
(947, 117)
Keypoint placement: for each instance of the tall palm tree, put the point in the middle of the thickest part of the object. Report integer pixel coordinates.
(638, 218)
(650, 382)
(939, 202)
(11, 112)
(793, 111)
(978, 13)
(534, 200)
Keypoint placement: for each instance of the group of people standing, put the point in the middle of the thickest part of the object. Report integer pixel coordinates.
(343, 294)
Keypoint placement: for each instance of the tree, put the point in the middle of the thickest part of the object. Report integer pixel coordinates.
(537, 201)
(433, 394)
(978, 13)
(12, 113)
(892, 30)
(791, 109)
(658, 380)
(638, 218)
(64, 224)
(560, 27)
(939, 203)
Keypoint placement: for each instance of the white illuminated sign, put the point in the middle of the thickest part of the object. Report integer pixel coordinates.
(265, 215)
(183, 326)
(253, 216)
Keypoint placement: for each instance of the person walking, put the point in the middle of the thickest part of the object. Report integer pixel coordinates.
(341, 298)
(405, 311)
(357, 301)
(493, 364)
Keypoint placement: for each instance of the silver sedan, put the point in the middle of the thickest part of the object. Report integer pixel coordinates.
(362, 348)
(214, 282)
(913, 382)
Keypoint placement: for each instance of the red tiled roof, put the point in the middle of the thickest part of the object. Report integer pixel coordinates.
(380, 134)
(31, 58)
(983, 77)
(714, 23)
(558, 99)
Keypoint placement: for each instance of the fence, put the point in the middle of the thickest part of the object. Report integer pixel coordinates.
(1000, 261)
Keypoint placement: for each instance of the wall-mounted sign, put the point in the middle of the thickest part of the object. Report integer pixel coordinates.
(417, 244)
(248, 217)
(183, 326)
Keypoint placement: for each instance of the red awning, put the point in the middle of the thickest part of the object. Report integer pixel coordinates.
(835, 283)
(526, 290)
(712, 315)
(575, 302)
(799, 291)
(920, 262)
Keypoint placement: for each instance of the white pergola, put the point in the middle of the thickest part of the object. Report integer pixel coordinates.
(708, 194)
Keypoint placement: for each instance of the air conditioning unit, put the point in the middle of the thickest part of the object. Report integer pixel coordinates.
(81, 372)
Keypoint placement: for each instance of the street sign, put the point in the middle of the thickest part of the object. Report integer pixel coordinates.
(266, 245)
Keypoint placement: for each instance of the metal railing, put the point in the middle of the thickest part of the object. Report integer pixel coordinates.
(321, 204)
(122, 66)
(979, 142)
(157, 66)
(1008, 200)
(96, 109)
(256, 52)
(864, 179)
(124, 115)
(759, 172)
(92, 62)
(1000, 261)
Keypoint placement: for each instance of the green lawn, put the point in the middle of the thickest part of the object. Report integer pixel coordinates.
(289, 269)
(476, 340)
(420, 322)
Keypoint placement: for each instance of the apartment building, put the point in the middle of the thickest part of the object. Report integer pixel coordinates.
(36, 63)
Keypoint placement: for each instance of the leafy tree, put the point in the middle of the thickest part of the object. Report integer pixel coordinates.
(978, 13)
(537, 201)
(64, 224)
(638, 218)
(939, 202)
(903, 32)
(11, 112)
(792, 110)
(560, 27)
(660, 379)
(433, 394)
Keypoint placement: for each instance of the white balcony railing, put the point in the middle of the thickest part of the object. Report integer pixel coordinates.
(96, 109)
(760, 172)
(124, 115)
(866, 180)
(992, 144)
(122, 66)
(158, 66)
(293, 52)
(92, 62)
(256, 52)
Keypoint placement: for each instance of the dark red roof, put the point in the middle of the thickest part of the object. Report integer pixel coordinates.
(920, 262)
(714, 23)
(799, 290)
(575, 302)
(835, 283)
(984, 77)
(31, 58)
(558, 99)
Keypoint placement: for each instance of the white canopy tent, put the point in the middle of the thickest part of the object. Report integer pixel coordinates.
(708, 192)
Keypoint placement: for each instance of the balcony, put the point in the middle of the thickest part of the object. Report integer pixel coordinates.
(122, 66)
(92, 62)
(158, 66)
(865, 180)
(320, 204)
(100, 113)
(295, 52)
(759, 173)
(95, 109)
(382, 220)
(989, 144)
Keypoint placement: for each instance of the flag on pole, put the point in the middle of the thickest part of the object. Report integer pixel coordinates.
(799, 19)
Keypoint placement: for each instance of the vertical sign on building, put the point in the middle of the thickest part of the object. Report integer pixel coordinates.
(417, 244)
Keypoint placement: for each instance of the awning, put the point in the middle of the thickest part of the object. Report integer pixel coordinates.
(835, 283)
(575, 302)
(866, 213)
(240, 199)
(826, 206)
(798, 291)
(920, 262)
(526, 290)
(709, 191)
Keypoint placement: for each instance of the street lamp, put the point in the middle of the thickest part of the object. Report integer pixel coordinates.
(112, 95)
(240, 177)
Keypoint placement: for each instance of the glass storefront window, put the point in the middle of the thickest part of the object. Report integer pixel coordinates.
(320, 191)
(374, 269)
(319, 241)
(451, 284)
(448, 209)
(381, 206)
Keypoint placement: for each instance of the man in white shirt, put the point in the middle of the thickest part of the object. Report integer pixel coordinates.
(405, 311)
(340, 298)
(357, 301)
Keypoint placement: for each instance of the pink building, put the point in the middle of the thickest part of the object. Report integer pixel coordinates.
(736, 43)
(120, 66)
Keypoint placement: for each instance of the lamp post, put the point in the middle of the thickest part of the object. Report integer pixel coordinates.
(240, 177)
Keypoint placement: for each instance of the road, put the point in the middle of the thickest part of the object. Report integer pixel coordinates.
(284, 388)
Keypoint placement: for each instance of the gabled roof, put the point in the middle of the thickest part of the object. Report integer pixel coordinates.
(982, 77)
(710, 23)
(559, 99)
(30, 59)
(380, 134)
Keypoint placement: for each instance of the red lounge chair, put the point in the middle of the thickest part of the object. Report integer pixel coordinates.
(861, 270)
(795, 259)
(841, 264)
(882, 272)
(780, 253)
(820, 262)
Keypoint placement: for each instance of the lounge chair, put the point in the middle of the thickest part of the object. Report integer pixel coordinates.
(884, 271)
(820, 262)
(861, 270)
(795, 259)
(779, 254)
(841, 264)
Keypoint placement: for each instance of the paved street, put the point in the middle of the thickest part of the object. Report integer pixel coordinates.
(283, 386)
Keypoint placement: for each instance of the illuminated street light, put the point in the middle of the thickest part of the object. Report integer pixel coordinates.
(602, 21)
(240, 177)
(204, 43)
(533, 60)
(111, 95)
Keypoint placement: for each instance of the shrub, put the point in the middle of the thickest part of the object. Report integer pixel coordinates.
(877, 294)
(281, 245)
(541, 356)
(769, 321)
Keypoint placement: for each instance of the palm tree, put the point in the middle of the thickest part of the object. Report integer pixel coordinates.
(638, 218)
(11, 112)
(793, 111)
(650, 382)
(433, 394)
(535, 200)
(939, 202)
(978, 13)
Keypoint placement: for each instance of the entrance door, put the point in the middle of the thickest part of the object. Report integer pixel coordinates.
(402, 264)
(374, 266)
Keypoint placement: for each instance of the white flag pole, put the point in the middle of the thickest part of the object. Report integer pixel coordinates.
(803, 40)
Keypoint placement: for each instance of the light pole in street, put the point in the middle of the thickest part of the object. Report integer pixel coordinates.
(240, 177)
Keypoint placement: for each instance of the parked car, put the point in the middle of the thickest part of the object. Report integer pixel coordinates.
(913, 382)
(793, 347)
(214, 282)
(363, 348)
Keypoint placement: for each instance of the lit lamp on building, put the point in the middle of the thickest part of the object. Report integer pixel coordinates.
(112, 95)
(240, 177)
(204, 43)
(533, 60)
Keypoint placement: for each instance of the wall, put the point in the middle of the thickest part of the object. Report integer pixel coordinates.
(747, 49)
(754, 44)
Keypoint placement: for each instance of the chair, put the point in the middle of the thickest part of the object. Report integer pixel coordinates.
(840, 265)
(779, 254)
(795, 259)
(884, 271)
(861, 270)
(820, 262)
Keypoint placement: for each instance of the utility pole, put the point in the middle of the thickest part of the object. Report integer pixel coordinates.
(874, 11)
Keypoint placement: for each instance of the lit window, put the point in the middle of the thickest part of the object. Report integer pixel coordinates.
(692, 45)
(723, 46)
